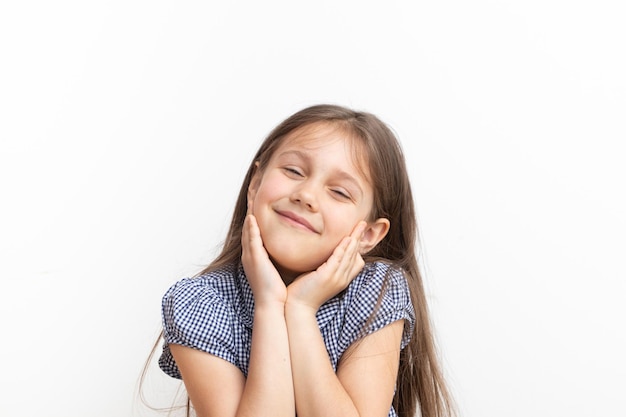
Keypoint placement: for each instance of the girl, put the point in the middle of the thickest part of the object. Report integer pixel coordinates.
(315, 305)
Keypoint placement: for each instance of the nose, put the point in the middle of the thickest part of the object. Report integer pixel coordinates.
(305, 195)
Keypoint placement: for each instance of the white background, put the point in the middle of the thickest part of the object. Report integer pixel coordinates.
(126, 127)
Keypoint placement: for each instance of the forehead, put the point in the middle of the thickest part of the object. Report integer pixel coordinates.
(315, 136)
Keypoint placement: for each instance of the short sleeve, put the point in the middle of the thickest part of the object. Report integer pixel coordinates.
(379, 299)
(195, 315)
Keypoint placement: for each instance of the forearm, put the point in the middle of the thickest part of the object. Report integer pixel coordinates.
(318, 391)
(269, 388)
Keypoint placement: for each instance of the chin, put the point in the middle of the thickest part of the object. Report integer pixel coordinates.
(295, 258)
(296, 265)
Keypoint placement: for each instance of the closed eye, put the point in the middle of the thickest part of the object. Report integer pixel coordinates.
(342, 194)
(293, 171)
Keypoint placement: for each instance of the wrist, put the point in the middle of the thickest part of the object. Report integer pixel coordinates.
(300, 309)
(269, 307)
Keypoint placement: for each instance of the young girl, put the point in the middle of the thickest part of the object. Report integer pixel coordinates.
(315, 306)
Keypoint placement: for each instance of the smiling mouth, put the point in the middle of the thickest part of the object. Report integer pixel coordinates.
(296, 220)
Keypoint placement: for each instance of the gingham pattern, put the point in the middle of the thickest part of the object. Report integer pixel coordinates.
(214, 312)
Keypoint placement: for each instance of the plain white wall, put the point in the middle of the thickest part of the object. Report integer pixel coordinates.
(126, 127)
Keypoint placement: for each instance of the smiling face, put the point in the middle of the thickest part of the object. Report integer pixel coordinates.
(311, 194)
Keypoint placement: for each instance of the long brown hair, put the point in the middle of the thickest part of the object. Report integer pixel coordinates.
(420, 383)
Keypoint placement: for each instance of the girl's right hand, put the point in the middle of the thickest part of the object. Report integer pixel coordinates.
(265, 281)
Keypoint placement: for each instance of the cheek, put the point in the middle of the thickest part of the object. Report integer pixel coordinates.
(343, 223)
(270, 185)
(265, 195)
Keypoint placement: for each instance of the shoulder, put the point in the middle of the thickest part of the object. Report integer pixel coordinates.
(380, 279)
(378, 296)
(204, 313)
(211, 287)
(195, 307)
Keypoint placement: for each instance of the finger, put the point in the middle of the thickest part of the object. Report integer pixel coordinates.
(342, 261)
(330, 267)
(358, 230)
(251, 235)
(346, 258)
(352, 253)
(245, 236)
(245, 230)
(357, 265)
(254, 234)
(348, 245)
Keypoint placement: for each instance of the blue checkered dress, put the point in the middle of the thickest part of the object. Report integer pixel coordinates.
(214, 313)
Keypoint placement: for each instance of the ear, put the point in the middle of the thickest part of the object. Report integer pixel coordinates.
(374, 233)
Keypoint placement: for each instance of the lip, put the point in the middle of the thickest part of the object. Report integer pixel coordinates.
(294, 218)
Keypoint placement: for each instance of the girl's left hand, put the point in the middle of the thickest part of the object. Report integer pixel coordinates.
(314, 288)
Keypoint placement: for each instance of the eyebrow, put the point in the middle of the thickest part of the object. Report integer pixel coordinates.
(339, 173)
